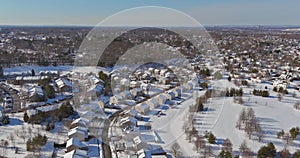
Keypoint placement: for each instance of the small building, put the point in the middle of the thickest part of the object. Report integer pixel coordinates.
(136, 92)
(177, 92)
(139, 143)
(153, 103)
(79, 122)
(161, 98)
(78, 133)
(36, 94)
(142, 108)
(127, 121)
(134, 84)
(75, 143)
(63, 85)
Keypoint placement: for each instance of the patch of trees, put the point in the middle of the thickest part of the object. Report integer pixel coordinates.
(280, 90)
(211, 138)
(244, 83)
(107, 82)
(198, 140)
(175, 150)
(50, 92)
(226, 150)
(245, 151)
(204, 85)
(50, 126)
(293, 133)
(263, 93)
(44, 82)
(248, 122)
(267, 151)
(64, 111)
(204, 72)
(5, 119)
(296, 154)
(229, 78)
(36, 143)
(234, 92)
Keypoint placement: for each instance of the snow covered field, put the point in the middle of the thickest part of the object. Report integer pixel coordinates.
(20, 131)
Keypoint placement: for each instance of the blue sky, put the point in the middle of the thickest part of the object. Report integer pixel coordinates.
(207, 12)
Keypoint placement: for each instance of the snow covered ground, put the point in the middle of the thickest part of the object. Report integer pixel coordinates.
(18, 128)
(18, 70)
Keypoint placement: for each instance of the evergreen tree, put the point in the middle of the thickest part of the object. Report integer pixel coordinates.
(1, 72)
(211, 139)
(32, 72)
(25, 117)
(268, 151)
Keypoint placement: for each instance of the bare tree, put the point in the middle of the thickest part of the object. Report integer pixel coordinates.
(227, 146)
(199, 143)
(250, 114)
(280, 96)
(12, 139)
(175, 149)
(207, 151)
(287, 140)
(245, 150)
(5, 147)
(29, 129)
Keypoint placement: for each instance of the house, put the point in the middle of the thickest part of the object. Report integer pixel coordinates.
(161, 98)
(145, 87)
(77, 153)
(177, 92)
(280, 84)
(136, 92)
(188, 86)
(63, 85)
(36, 94)
(153, 103)
(144, 125)
(142, 108)
(79, 122)
(134, 84)
(131, 112)
(127, 121)
(79, 133)
(172, 95)
(75, 143)
(125, 82)
(139, 143)
(165, 80)
(95, 90)
(168, 96)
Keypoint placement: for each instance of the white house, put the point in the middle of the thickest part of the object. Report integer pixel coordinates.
(136, 92)
(162, 98)
(153, 103)
(142, 108)
(36, 94)
(75, 143)
(78, 133)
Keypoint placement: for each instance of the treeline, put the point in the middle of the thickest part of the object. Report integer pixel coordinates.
(234, 92)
